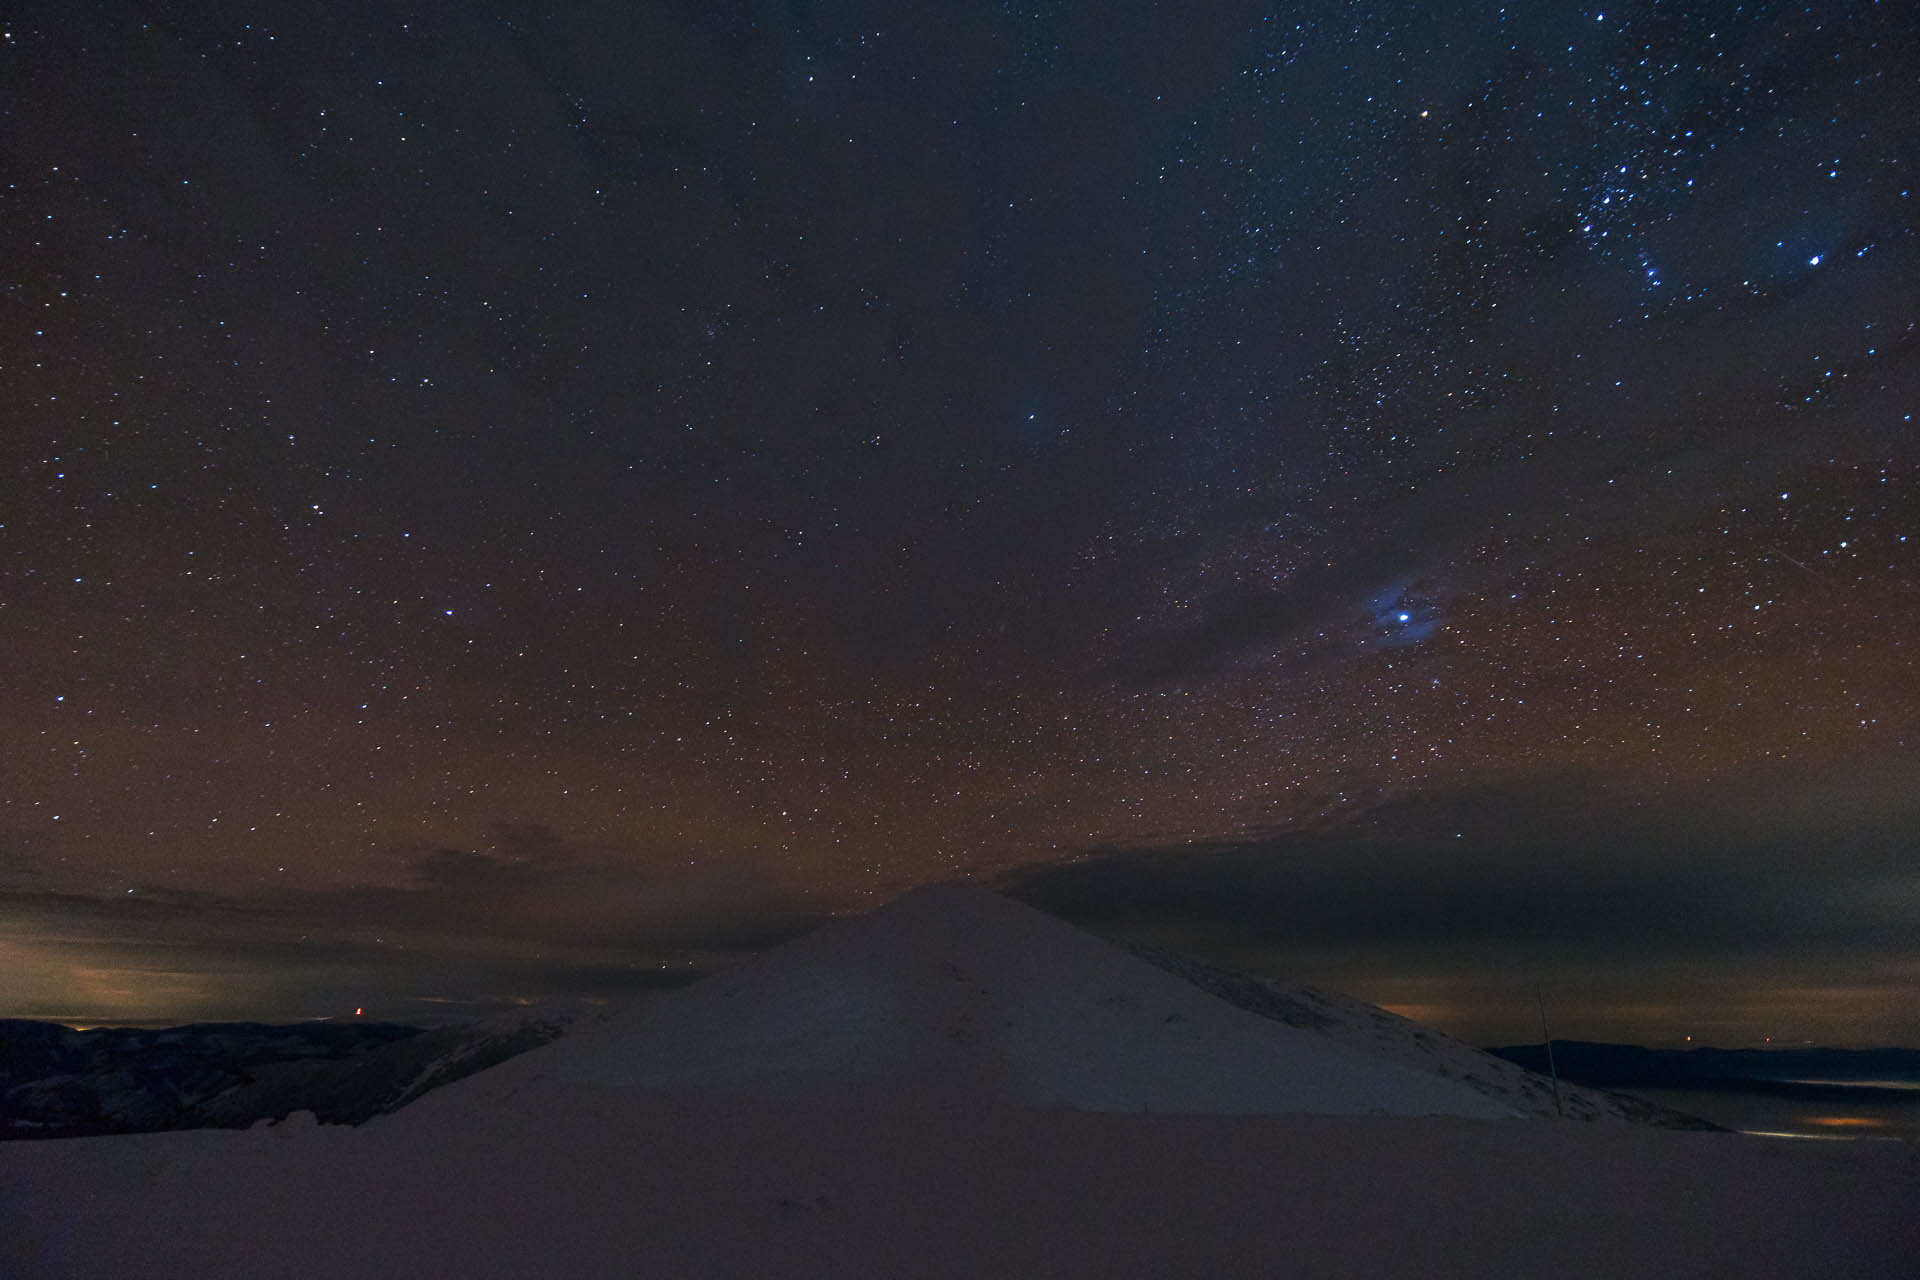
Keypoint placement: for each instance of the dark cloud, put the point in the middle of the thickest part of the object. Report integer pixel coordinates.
(138, 907)
(539, 916)
(1245, 623)
(464, 869)
(1799, 882)
(540, 885)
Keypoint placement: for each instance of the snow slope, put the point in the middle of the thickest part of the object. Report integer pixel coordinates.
(1373, 1030)
(954, 995)
(603, 1182)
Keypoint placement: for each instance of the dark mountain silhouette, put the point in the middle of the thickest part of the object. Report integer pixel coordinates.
(59, 1082)
(1813, 1074)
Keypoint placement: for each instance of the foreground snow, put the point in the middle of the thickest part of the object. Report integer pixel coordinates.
(589, 1180)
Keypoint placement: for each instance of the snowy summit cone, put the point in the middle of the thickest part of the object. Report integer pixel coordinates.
(952, 994)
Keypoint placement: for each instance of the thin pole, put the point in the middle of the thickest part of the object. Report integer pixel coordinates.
(1546, 1035)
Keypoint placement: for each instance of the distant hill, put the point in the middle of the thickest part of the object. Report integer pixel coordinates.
(59, 1082)
(55, 1080)
(1812, 1073)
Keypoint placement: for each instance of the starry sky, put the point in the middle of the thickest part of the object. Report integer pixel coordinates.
(505, 501)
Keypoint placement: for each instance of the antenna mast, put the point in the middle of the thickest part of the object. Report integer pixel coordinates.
(1548, 1037)
(1540, 997)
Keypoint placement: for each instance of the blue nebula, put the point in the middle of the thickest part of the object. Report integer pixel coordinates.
(1405, 612)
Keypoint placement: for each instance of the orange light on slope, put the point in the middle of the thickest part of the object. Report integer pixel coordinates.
(1845, 1122)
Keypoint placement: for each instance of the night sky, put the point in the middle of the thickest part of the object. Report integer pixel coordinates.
(503, 501)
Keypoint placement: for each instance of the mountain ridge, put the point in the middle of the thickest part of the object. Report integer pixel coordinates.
(1808, 1073)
